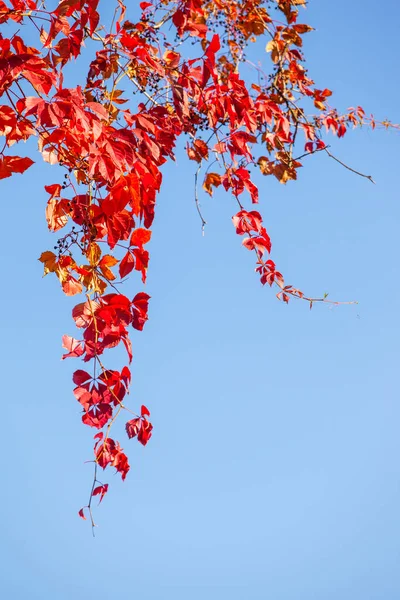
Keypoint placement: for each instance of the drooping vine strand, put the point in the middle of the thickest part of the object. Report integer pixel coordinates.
(186, 72)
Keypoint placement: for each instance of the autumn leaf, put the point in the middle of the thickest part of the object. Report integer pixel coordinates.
(49, 260)
(211, 180)
(132, 427)
(171, 58)
(14, 164)
(246, 222)
(144, 411)
(266, 165)
(54, 190)
(101, 491)
(139, 310)
(126, 265)
(57, 214)
(284, 173)
(73, 347)
(302, 28)
(261, 242)
(80, 377)
(71, 286)
(273, 47)
(198, 151)
(112, 147)
(140, 237)
(106, 262)
(93, 254)
(145, 432)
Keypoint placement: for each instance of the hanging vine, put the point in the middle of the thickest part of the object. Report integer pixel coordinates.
(185, 72)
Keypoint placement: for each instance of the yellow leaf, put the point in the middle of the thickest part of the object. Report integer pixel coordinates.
(92, 282)
(319, 105)
(272, 47)
(93, 254)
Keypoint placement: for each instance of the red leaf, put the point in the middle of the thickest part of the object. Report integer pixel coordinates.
(133, 427)
(97, 416)
(245, 221)
(105, 452)
(82, 514)
(144, 411)
(80, 377)
(100, 490)
(213, 46)
(98, 109)
(54, 190)
(141, 261)
(261, 243)
(73, 346)
(126, 265)
(140, 237)
(126, 375)
(145, 432)
(139, 309)
(120, 462)
(13, 164)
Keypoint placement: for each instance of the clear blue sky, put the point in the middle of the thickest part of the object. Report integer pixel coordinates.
(273, 471)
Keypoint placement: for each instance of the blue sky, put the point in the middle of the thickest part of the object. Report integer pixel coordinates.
(273, 471)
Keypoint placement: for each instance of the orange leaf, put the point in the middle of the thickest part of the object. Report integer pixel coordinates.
(49, 260)
(106, 262)
(140, 237)
(211, 179)
(57, 214)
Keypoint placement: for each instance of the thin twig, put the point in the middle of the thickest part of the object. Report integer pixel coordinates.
(310, 153)
(369, 177)
(196, 199)
(89, 506)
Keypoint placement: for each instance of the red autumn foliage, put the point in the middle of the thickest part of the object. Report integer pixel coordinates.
(112, 144)
(140, 427)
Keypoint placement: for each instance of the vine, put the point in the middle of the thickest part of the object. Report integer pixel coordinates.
(188, 73)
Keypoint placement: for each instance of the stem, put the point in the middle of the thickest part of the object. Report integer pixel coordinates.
(369, 177)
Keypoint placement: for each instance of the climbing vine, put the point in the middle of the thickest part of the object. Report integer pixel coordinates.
(171, 69)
